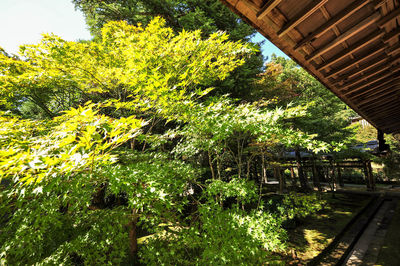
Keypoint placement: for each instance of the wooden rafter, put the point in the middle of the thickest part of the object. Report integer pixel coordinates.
(347, 12)
(365, 76)
(378, 96)
(364, 72)
(356, 61)
(361, 68)
(389, 17)
(377, 67)
(345, 36)
(353, 48)
(358, 94)
(375, 81)
(393, 49)
(303, 15)
(390, 35)
(378, 92)
(271, 4)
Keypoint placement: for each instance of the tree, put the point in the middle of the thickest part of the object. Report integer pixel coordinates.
(209, 16)
(63, 170)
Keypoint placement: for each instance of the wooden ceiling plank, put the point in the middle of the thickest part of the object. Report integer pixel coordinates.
(267, 8)
(388, 115)
(372, 72)
(362, 68)
(365, 76)
(395, 48)
(390, 35)
(370, 19)
(382, 108)
(391, 89)
(383, 82)
(303, 15)
(389, 17)
(382, 90)
(379, 3)
(353, 48)
(345, 13)
(392, 129)
(250, 5)
(378, 104)
(356, 61)
(369, 82)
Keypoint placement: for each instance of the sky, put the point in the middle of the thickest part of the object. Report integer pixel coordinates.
(23, 22)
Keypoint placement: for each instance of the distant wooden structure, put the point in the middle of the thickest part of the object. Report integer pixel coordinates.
(351, 46)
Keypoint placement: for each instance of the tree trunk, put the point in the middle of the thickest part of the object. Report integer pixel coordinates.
(211, 165)
(366, 174)
(133, 245)
(302, 178)
(317, 183)
(264, 169)
(293, 177)
(371, 176)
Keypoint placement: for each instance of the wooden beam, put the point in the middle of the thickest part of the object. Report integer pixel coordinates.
(365, 76)
(393, 128)
(380, 95)
(395, 48)
(379, 3)
(390, 35)
(367, 83)
(345, 13)
(370, 73)
(267, 8)
(380, 106)
(389, 17)
(249, 4)
(353, 48)
(345, 36)
(382, 90)
(364, 67)
(372, 82)
(374, 87)
(356, 61)
(303, 15)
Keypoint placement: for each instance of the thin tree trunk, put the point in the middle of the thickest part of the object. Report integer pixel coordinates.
(293, 177)
(264, 169)
(302, 178)
(211, 165)
(366, 174)
(317, 183)
(133, 244)
(371, 176)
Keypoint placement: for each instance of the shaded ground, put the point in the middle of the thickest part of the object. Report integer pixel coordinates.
(390, 251)
(316, 232)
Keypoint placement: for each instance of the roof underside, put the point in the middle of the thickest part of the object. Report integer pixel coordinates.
(351, 46)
